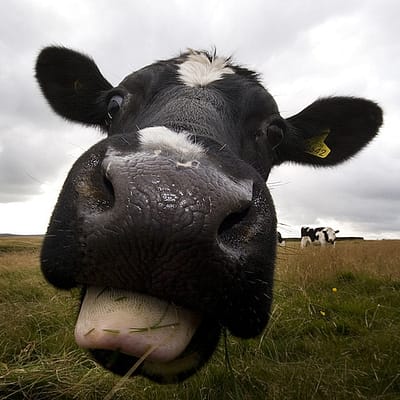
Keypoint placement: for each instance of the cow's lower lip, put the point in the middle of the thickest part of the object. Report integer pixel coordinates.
(135, 324)
(121, 327)
(174, 371)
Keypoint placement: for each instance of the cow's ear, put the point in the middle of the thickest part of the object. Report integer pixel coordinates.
(73, 85)
(329, 131)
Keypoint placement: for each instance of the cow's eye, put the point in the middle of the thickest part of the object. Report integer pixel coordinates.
(271, 132)
(114, 105)
(275, 132)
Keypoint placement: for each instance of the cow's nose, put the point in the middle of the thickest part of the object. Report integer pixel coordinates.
(163, 198)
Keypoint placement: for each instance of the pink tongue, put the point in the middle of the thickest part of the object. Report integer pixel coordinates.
(133, 323)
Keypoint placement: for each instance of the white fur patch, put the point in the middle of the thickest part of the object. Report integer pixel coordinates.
(160, 139)
(199, 70)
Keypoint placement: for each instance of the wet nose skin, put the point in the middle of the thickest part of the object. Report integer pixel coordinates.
(191, 197)
(162, 209)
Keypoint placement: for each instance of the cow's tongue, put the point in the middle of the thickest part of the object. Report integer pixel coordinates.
(133, 323)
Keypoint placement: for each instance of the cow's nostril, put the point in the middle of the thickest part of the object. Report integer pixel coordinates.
(228, 227)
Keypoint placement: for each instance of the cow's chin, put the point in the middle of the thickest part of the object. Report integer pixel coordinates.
(131, 333)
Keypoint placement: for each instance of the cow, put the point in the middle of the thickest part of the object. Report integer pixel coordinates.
(166, 224)
(321, 236)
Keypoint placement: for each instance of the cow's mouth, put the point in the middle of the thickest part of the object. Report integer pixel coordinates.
(133, 333)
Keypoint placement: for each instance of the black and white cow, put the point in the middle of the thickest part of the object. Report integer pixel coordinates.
(166, 224)
(321, 236)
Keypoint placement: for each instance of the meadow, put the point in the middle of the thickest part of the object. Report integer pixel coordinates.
(334, 334)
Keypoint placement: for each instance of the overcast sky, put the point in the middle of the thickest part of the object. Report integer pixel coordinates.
(303, 49)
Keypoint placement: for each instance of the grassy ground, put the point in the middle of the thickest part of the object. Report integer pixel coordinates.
(334, 334)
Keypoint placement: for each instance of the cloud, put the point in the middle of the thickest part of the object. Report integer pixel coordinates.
(304, 50)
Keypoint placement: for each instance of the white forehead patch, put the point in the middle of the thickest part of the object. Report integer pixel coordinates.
(200, 70)
(159, 139)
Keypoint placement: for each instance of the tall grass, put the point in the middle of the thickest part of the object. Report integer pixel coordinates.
(334, 334)
(380, 259)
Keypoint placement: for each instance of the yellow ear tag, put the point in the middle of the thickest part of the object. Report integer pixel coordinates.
(316, 145)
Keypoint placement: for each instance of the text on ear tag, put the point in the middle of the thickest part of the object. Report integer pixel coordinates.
(316, 145)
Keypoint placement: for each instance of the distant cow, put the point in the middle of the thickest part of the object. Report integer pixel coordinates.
(279, 239)
(321, 236)
(166, 224)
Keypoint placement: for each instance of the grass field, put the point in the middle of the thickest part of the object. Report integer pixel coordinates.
(334, 334)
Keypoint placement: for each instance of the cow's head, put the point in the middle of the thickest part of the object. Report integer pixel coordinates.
(167, 224)
(327, 235)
